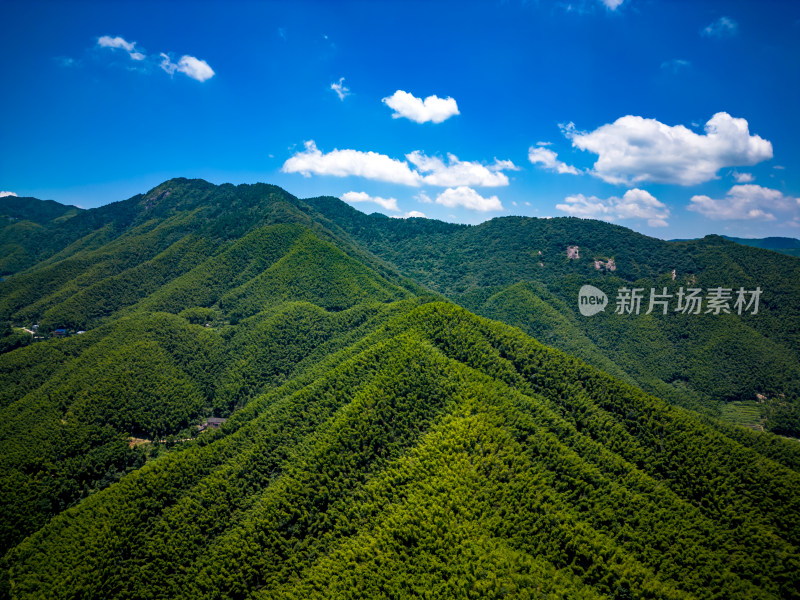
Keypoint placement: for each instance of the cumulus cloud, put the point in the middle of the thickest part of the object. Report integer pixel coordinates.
(387, 203)
(634, 204)
(341, 90)
(342, 163)
(549, 160)
(432, 108)
(466, 197)
(107, 41)
(634, 149)
(4, 194)
(460, 173)
(747, 201)
(429, 170)
(743, 177)
(188, 65)
(722, 27)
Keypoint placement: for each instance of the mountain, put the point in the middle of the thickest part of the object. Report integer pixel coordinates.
(24, 228)
(381, 439)
(784, 245)
(742, 367)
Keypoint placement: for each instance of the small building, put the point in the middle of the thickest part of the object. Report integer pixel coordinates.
(212, 423)
(60, 332)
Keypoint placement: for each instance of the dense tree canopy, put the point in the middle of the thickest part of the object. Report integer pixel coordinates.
(381, 441)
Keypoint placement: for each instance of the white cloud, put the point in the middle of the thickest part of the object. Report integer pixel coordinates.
(4, 194)
(634, 149)
(549, 160)
(634, 204)
(722, 27)
(432, 109)
(118, 42)
(167, 64)
(460, 173)
(748, 201)
(107, 41)
(423, 197)
(195, 68)
(612, 4)
(410, 214)
(387, 203)
(343, 163)
(341, 90)
(429, 170)
(189, 65)
(468, 198)
(743, 177)
(639, 204)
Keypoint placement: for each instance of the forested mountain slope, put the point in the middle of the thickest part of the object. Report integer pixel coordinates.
(68, 406)
(784, 245)
(381, 441)
(441, 454)
(24, 229)
(743, 367)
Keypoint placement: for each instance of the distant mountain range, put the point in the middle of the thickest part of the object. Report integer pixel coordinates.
(414, 408)
(784, 245)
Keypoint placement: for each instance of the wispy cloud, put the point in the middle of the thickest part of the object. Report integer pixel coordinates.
(612, 4)
(634, 149)
(66, 61)
(743, 177)
(432, 108)
(190, 66)
(340, 89)
(120, 43)
(676, 65)
(722, 27)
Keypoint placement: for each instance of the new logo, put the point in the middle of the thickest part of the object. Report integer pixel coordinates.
(591, 300)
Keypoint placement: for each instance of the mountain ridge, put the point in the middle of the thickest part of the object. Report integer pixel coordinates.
(380, 438)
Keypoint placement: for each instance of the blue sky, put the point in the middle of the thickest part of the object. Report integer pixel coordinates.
(676, 119)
